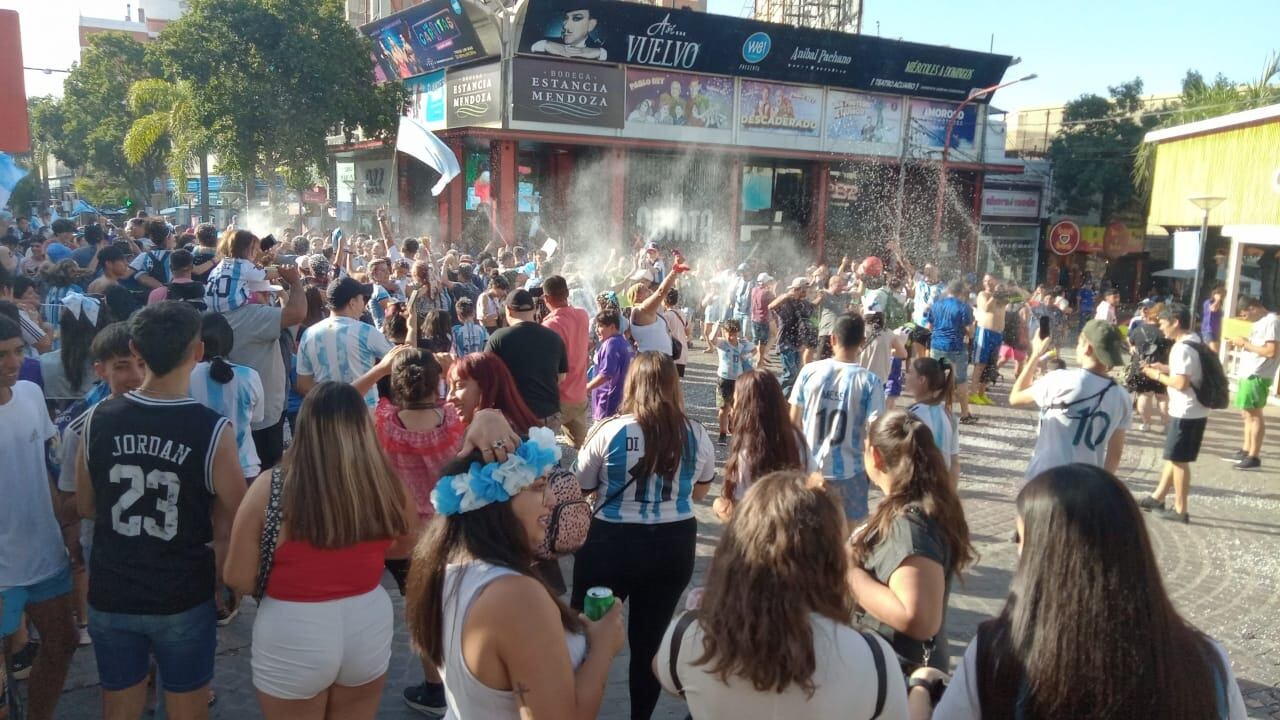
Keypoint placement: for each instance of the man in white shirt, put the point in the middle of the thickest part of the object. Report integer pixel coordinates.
(341, 347)
(1259, 360)
(1084, 414)
(1107, 308)
(1187, 416)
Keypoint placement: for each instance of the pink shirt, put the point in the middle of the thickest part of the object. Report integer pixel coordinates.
(161, 293)
(570, 323)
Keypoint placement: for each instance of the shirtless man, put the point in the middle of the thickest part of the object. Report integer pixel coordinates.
(989, 315)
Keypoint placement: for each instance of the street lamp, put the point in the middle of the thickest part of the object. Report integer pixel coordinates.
(1205, 203)
(946, 149)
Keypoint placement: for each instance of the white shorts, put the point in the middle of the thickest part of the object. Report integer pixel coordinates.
(302, 648)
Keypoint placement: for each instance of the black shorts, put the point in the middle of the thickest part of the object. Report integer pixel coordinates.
(1182, 441)
(724, 393)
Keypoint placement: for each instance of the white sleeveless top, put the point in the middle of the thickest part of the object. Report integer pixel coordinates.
(653, 336)
(468, 697)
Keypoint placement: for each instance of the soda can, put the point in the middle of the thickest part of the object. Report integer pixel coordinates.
(597, 602)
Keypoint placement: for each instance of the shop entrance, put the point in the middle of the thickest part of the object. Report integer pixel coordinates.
(776, 206)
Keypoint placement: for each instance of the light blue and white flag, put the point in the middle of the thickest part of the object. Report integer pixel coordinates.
(416, 140)
(10, 174)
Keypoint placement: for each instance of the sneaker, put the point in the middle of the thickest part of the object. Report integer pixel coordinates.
(1143, 427)
(20, 663)
(969, 420)
(1236, 456)
(1174, 515)
(1149, 503)
(83, 631)
(427, 698)
(226, 615)
(1249, 463)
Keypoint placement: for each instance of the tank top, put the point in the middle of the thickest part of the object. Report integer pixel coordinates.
(302, 572)
(467, 696)
(151, 465)
(653, 336)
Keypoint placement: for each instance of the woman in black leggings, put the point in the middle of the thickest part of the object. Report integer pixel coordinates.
(646, 466)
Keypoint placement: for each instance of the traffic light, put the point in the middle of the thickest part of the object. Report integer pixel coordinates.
(127, 204)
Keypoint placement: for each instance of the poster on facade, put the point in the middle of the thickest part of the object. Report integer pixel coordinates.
(780, 109)
(430, 36)
(1023, 205)
(659, 100)
(475, 96)
(426, 99)
(928, 127)
(645, 35)
(872, 123)
(375, 183)
(567, 93)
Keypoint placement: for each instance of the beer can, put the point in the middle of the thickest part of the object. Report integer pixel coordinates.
(597, 602)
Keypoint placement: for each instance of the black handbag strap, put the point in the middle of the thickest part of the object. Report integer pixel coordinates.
(877, 657)
(677, 637)
(270, 535)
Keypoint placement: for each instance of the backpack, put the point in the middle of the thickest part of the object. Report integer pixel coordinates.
(159, 260)
(191, 293)
(1214, 392)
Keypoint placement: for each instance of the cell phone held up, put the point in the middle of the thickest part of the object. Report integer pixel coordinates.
(1044, 327)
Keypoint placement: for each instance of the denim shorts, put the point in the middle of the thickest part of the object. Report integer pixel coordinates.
(761, 330)
(183, 645)
(959, 363)
(15, 599)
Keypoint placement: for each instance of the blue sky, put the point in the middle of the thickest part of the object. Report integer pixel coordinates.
(1075, 47)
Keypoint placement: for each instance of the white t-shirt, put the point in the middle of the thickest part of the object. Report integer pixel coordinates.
(1254, 365)
(945, 433)
(31, 548)
(844, 679)
(837, 400)
(961, 702)
(342, 349)
(240, 401)
(1077, 419)
(924, 297)
(1105, 312)
(1183, 404)
(615, 446)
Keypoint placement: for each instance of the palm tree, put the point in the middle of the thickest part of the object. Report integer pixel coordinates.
(163, 111)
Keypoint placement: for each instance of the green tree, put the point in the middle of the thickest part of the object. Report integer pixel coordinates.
(47, 138)
(1093, 155)
(163, 112)
(96, 116)
(271, 79)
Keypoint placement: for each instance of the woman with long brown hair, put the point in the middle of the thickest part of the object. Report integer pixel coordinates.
(1088, 630)
(646, 466)
(764, 438)
(772, 638)
(911, 547)
(322, 636)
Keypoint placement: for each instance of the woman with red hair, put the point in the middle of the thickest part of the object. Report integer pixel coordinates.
(481, 381)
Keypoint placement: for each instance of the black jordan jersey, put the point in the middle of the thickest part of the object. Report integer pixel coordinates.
(151, 465)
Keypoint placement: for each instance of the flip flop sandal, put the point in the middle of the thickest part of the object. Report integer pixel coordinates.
(969, 420)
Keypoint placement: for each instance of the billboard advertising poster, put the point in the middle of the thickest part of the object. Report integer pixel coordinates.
(567, 93)
(426, 99)
(863, 119)
(928, 126)
(667, 98)
(780, 109)
(475, 96)
(636, 34)
(429, 36)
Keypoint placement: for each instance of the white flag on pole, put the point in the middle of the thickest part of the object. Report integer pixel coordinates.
(415, 139)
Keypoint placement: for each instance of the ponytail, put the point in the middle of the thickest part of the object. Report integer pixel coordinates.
(940, 375)
(949, 383)
(220, 370)
(218, 339)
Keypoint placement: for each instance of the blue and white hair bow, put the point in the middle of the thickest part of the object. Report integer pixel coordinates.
(495, 482)
(82, 306)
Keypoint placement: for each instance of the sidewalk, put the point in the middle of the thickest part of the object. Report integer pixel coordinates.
(1223, 570)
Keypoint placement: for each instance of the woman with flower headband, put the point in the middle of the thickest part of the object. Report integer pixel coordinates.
(506, 646)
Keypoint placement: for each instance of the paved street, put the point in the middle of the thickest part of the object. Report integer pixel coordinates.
(1223, 571)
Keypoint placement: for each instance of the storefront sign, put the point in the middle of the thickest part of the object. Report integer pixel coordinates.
(1021, 204)
(346, 187)
(864, 119)
(475, 96)
(929, 125)
(1064, 238)
(375, 183)
(426, 37)
(1118, 240)
(781, 109)
(426, 99)
(567, 93)
(646, 35)
(657, 97)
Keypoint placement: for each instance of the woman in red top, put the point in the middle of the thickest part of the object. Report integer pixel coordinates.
(322, 636)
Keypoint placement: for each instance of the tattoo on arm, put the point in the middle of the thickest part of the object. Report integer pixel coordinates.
(520, 691)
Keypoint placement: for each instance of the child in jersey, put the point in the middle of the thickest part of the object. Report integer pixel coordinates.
(931, 382)
(234, 391)
(735, 359)
(228, 285)
(469, 336)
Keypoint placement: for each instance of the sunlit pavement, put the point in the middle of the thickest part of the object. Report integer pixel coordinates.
(1223, 571)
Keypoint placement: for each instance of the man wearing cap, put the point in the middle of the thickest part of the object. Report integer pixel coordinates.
(762, 297)
(535, 356)
(1084, 414)
(793, 310)
(341, 347)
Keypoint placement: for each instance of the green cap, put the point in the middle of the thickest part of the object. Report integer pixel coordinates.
(1105, 339)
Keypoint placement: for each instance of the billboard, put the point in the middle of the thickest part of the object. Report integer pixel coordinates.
(683, 40)
(567, 93)
(426, 99)
(675, 99)
(475, 96)
(868, 121)
(433, 35)
(15, 133)
(765, 107)
(928, 126)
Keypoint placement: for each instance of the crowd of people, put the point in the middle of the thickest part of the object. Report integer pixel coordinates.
(192, 418)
